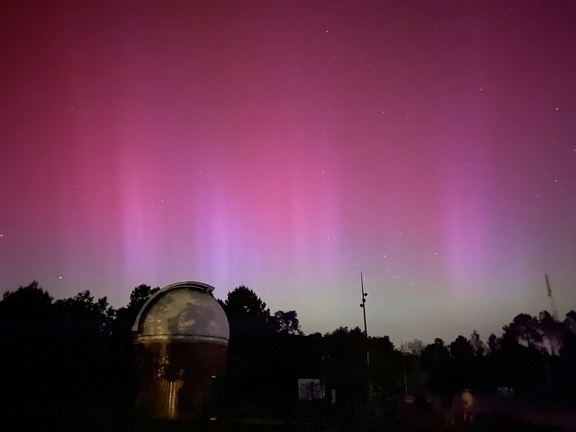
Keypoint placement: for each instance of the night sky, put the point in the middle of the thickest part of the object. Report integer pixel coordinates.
(290, 145)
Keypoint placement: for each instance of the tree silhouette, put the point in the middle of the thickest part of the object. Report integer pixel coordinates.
(413, 347)
(26, 354)
(479, 347)
(139, 295)
(26, 309)
(246, 312)
(521, 355)
(464, 365)
(526, 330)
(287, 322)
(436, 361)
(385, 364)
(122, 349)
(249, 373)
(481, 374)
(82, 313)
(347, 350)
(73, 360)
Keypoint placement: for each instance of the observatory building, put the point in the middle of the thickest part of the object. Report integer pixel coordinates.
(181, 335)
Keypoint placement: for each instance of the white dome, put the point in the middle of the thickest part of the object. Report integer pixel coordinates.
(182, 311)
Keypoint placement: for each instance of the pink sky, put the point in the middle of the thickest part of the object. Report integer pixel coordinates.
(287, 146)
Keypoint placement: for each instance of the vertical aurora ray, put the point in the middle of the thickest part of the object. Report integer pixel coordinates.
(289, 148)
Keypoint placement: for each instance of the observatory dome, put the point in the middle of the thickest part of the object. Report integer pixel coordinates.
(184, 311)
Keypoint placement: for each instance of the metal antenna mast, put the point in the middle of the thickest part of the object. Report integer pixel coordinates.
(549, 288)
(363, 306)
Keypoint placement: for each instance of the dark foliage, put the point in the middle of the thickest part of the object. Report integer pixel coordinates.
(71, 363)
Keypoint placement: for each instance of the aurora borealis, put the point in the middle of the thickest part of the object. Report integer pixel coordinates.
(290, 145)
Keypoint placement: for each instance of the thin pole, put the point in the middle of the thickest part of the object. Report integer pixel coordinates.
(403, 367)
(363, 306)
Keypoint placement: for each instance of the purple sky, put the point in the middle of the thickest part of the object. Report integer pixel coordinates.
(289, 145)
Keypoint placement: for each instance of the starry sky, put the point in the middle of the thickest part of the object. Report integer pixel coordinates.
(289, 146)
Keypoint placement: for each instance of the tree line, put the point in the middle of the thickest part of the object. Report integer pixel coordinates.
(71, 362)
